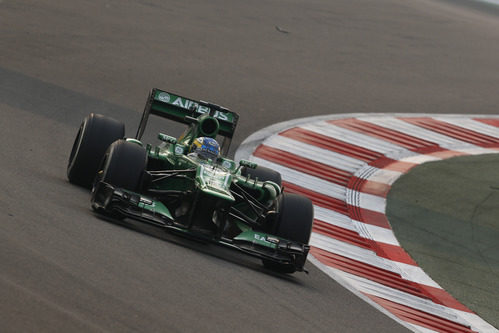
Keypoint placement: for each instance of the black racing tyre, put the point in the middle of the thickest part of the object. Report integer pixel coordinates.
(123, 165)
(263, 174)
(94, 136)
(293, 222)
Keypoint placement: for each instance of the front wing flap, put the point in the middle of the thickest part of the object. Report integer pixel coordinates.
(112, 201)
(273, 248)
(109, 200)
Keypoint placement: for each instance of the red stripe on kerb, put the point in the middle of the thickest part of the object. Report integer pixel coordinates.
(331, 144)
(491, 122)
(440, 296)
(389, 164)
(388, 251)
(448, 154)
(369, 186)
(393, 252)
(321, 200)
(419, 317)
(339, 233)
(304, 165)
(371, 157)
(387, 278)
(318, 199)
(454, 131)
(367, 271)
(368, 216)
(320, 170)
(398, 138)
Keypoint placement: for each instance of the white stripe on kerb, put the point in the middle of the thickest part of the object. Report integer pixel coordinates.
(375, 233)
(416, 131)
(306, 181)
(479, 151)
(352, 251)
(334, 218)
(365, 200)
(314, 153)
(371, 202)
(416, 274)
(354, 138)
(420, 159)
(401, 297)
(477, 323)
(472, 125)
(364, 230)
(383, 176)
(335, 274)
(371, 258)
(421, 329)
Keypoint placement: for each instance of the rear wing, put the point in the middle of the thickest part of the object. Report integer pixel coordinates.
(180, 109)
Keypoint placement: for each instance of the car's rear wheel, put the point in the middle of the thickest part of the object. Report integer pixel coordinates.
(293, 222)
(94, 136)
(263, 174)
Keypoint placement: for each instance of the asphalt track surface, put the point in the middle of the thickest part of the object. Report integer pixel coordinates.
(63, 269)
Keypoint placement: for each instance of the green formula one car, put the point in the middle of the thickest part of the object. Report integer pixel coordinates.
(188, 185)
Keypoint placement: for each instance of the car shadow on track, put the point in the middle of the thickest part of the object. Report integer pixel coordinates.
(206, 248)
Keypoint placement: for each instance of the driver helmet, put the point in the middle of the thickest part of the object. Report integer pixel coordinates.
(206, 148)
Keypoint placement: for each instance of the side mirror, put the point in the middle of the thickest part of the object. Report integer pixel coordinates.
(167, 138)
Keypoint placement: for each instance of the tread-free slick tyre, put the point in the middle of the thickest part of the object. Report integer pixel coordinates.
(294, 222)
(94, 136)
(123, 165)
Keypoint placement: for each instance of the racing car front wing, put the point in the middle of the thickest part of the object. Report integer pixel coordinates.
(120, 203)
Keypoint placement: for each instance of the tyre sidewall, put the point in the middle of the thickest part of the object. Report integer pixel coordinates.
(123, 165)
(295, 218)
(94, 136)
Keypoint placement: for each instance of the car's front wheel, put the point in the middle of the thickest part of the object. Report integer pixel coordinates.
(293, 222)
(123, 165)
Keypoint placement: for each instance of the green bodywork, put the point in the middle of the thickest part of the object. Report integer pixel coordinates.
(207, 198)
(155, 207)
(170, 104)
(258, 238)
(186, 191)
(207, 178)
